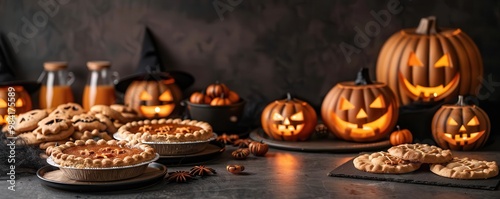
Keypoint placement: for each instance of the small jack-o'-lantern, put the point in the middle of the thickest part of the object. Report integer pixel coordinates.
(289, 119)
(153, 98)
(15, 98)
(460, 126)
(361, 111)
(428, 64)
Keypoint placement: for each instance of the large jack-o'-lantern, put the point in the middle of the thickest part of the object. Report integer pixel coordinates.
(14, 100)
(429, 64)
(460, 126)
(153, 98)
(361, 111)
(289, 119)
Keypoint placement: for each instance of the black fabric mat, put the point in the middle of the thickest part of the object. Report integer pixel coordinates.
(421, 176)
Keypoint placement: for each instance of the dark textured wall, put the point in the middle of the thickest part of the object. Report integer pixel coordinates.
(259, 48)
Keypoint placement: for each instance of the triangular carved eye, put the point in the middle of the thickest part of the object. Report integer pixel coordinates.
(20, 102)
(413, 60)
(444, 61)
(451, 121)
(165, 96)
(297, 116)
(378, 103)
(3, 103)
(145, 96)
(473, 122)
(345, 104)
(278, 117)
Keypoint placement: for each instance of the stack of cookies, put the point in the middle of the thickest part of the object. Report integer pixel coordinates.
(69, 122)
(406, 158)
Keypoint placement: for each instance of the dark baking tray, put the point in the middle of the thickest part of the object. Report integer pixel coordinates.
(420, 176)
(153, 174)
(315, 144)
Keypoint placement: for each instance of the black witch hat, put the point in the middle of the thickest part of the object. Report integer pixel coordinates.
(7, 77)
(149, 67)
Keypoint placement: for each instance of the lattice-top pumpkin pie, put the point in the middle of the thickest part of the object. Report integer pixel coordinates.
(101, 154)
(166, 130)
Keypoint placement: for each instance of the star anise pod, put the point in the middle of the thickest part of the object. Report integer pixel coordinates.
(242, 143)
(224, 138)
(202, 170)
(234, 137)
(179, 176)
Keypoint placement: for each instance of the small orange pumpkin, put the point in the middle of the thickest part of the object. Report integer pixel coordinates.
(217, 89)
(200, 98)
(233, 96)
(258, 148)
(220, 101)
(401, 136)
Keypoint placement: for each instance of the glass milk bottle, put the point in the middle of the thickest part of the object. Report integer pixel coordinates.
(100, 85)
(56, 85)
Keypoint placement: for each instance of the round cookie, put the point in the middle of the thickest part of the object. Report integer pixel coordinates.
(87, 122)
(86, 135)
(53, 125)
(128, 113)
(383, 162)
(108, 112)
(110, 126)
(466, 168)
(422, 153)
(67, 110)
(29, 121)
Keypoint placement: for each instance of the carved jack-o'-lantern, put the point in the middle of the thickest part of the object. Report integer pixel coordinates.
(428, 64)
(153, 99)
(15, 98)
(289, 119)
(361, 111)
(460, 126)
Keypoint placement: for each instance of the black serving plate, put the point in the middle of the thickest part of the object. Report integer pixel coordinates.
(53, 177)
(213, 150)
(317, 144)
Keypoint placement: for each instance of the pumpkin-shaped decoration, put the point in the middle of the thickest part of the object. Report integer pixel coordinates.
(428, 64)
(217, 89)
(14, 100)
(401, 136)
(360, 111)
(258, 148)
(460, 126)
(289, 119)
(153, 98)
(200, 98)
(240, 154)
(233, 97)
(220, 101)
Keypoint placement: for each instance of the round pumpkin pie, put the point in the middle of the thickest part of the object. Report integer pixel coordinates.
(101, 154)
(166, 130)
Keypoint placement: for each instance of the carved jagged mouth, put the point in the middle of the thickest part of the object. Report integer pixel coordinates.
(152, 111)
(463, 138)
(288, 130)
(366, 130)
(435, 93)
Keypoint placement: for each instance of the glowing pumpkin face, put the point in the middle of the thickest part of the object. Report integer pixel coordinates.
(361, 112)
(289, 119)
(460, 127)
(421, 89)
(153, 99)
(18, 101)
(428, 64)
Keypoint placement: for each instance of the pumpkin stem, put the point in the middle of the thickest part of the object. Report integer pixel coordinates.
(363, 77)
(427, 26)
(460, 101)
(288, 96)
(397, 127)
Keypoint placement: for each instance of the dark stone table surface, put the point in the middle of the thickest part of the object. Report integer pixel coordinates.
(281, 174)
